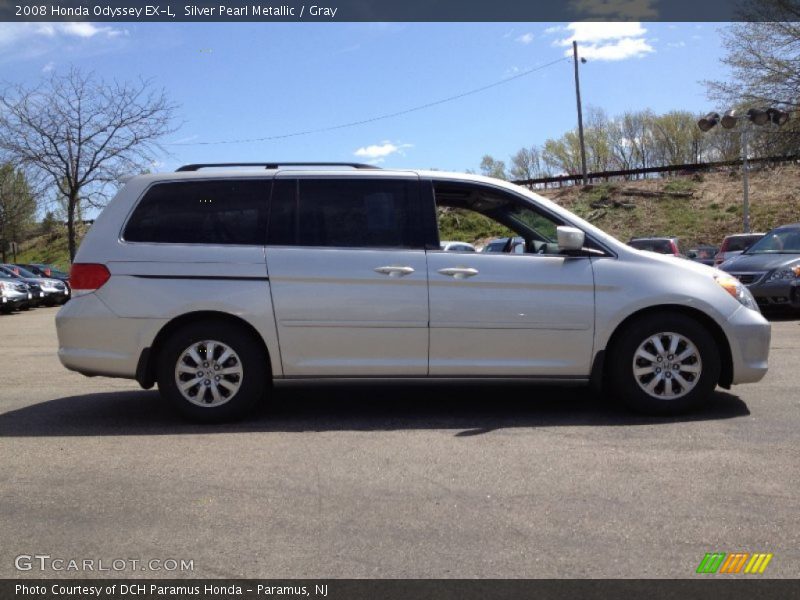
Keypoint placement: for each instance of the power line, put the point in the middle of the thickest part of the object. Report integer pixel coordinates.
(380, 117)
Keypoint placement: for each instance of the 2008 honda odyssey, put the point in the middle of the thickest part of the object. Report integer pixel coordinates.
(217, 283)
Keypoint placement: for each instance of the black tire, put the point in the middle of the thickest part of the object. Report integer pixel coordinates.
(625, 385)
(249, 356)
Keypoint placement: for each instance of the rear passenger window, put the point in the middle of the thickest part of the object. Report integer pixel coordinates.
(227, 211)
(345, 213)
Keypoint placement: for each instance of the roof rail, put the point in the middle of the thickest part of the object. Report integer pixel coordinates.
(275, 165)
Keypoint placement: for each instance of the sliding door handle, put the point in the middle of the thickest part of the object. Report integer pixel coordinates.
(394, 271)
(459, 272)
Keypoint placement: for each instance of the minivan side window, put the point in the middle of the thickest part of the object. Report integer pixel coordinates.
(345, 213)
(224, 211)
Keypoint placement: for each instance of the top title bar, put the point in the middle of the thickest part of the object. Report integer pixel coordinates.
(384, 10)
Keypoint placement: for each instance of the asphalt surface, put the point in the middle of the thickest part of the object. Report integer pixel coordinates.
(432, 482)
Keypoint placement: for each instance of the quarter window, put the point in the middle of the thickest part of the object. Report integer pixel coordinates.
(227, 211)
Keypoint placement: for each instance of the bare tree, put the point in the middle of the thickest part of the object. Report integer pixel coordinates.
(763, 55)
(83, 133)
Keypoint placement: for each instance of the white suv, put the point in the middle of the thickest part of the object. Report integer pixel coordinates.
(218, 282)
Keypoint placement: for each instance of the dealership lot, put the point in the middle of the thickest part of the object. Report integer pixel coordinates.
(502, 481)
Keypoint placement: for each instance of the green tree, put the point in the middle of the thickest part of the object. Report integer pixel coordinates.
(493, 168)
(17, 207)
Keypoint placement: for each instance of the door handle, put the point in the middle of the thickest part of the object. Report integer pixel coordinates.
(394, 271)
(459, 272)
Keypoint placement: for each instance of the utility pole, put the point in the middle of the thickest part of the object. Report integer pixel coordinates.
(580, 111)
(745, 180)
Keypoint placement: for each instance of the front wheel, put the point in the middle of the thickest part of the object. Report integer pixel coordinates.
(212, 372)
(664, 364)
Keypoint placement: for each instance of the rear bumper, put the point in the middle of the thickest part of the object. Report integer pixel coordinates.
(92, 340)
(749, 336)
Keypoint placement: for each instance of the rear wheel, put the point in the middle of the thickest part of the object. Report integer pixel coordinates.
(212, 372)
(664, 364)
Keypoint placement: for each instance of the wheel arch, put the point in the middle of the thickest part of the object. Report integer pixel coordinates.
(148, 359)
(599, 370)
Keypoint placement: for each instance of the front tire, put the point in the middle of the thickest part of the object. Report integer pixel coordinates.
(212, 372)
(664, 364)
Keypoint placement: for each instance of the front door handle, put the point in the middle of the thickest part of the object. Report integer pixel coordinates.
(459, 272)
(394, 271)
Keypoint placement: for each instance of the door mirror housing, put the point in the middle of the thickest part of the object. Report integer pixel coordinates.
(570, 239)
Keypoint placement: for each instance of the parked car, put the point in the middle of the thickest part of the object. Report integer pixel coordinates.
(217, 284)
(43, 270)
(734, 245)
(770, 268)
(14, 293)
(703, 254)
(512, 245)
(456, 247)
(661, 245)
(47, 290)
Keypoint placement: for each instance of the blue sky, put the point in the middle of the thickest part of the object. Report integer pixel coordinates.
(237, 81)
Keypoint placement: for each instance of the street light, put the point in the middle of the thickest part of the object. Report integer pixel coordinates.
(757, 116)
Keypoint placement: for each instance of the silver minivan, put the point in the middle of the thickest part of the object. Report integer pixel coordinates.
(218, 281)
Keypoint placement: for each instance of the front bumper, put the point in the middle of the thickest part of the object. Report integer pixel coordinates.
(777, 293)
(749, 336)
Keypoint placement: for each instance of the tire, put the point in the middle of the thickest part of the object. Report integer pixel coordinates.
(637, 374)
(228, 389)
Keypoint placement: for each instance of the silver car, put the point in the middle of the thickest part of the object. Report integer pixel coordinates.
(215, 284)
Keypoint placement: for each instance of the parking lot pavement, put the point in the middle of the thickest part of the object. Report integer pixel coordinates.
(393, 482)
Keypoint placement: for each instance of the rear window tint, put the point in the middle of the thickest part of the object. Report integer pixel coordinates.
(345, 213)
(226, 211)
(660, 246)
(739, 244)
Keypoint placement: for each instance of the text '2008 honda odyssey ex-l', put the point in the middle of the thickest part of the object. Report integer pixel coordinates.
(217, 282)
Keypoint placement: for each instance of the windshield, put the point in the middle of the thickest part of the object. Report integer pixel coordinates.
(26, 273)
(781, 241)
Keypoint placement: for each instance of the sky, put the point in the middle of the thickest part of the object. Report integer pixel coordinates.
(250, 81)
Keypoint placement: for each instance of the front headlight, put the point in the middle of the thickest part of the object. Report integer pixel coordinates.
(738, 290)
(784, 274)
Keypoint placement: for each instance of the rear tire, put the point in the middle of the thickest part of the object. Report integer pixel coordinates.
(664, 364)
(212, 372)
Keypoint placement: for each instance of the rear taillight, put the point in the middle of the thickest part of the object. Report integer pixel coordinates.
(674, 248)
(87, 277)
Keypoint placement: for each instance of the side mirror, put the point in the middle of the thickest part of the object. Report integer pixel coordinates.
(570, 238)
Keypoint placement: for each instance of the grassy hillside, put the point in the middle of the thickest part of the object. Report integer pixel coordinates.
(49, 248)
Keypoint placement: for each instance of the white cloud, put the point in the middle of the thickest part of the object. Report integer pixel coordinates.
(679, 44)
(627, 9)
(49, 67)
(525, 38)
(16, 33)
(601, 32)
(381, 151)
(620, 50)
(607, 41)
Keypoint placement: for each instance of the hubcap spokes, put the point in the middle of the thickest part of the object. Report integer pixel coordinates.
(667, 366)
(209, 373)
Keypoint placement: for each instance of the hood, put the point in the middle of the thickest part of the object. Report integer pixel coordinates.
(675, 261)
(760, 262)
